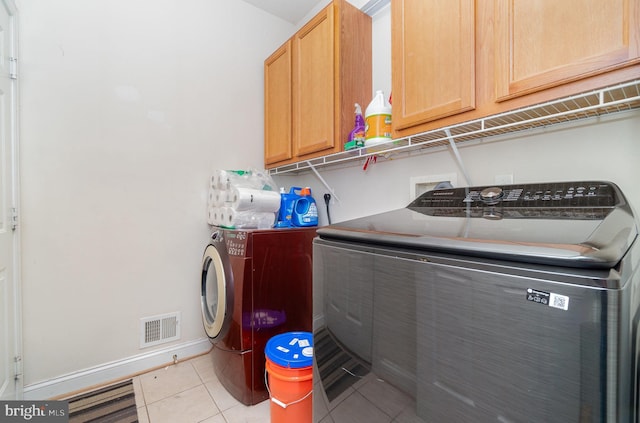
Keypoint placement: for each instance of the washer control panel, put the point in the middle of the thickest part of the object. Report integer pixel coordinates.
(587, 199)
(596, 194)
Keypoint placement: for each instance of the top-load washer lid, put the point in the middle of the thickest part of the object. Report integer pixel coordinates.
(578, 224)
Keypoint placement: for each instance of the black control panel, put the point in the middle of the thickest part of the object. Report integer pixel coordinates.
(571, 200)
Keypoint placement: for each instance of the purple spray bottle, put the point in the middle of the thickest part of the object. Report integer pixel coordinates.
(356, 136)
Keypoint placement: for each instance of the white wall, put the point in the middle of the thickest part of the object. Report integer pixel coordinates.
(126, 108)
(604, 148)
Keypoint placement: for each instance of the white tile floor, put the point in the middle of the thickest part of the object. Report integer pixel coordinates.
(369, 400)
(189, 392)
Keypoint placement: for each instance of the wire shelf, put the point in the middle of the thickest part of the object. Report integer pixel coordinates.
(599, 102)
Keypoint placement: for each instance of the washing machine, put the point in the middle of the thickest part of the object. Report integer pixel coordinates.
(516, 303)
(255, 284)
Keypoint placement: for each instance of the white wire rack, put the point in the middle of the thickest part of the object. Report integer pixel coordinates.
(603, 101)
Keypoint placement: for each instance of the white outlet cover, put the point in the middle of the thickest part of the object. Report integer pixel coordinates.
(505, 179)
(420, 184)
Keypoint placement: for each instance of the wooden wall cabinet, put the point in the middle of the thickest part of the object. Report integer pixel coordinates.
(277, 115)
(433, 60)
(458, 60)
(545, 43)
(312, 83)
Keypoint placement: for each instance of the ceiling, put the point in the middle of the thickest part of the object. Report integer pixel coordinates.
(289, 10)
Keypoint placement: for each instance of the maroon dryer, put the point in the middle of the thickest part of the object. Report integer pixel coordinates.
(256, 283)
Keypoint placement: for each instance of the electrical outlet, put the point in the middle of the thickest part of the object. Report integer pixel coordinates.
(420, 184)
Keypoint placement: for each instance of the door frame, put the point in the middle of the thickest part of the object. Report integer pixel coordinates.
(15, 324)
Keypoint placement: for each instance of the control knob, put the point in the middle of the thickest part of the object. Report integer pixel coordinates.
(491, 195)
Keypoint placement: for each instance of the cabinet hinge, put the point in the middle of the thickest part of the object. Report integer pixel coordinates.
(14, 218)
(13, 67)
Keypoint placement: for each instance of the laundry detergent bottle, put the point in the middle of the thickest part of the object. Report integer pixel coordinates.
(305, 210)
(287, 202)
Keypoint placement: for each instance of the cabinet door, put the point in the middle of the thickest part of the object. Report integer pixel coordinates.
(277, 105)
(545, 43)
(314, 85)
(433, 59)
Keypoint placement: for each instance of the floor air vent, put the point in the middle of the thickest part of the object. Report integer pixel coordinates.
(156, 330)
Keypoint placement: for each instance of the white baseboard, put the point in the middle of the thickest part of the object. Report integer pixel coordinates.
(114, 370)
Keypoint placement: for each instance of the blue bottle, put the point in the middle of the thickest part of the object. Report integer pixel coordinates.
(287, 203)
(305, 210)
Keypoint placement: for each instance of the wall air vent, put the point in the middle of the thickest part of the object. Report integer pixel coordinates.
(160, 329)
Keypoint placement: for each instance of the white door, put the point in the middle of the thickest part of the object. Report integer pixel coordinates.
(10, 322)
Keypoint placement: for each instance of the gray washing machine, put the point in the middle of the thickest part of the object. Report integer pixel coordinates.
(487, 304)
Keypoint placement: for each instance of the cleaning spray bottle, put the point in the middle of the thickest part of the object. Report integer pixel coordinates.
(377, 121)
(305, 210)
(356, 136)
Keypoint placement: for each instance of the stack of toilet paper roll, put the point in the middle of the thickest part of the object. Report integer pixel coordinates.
(242, 199)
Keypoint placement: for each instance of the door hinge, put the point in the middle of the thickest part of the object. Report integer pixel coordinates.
(13, 67)
(14, 218)
(18, 367)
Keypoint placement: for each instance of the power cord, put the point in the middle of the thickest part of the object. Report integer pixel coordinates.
(327, 199)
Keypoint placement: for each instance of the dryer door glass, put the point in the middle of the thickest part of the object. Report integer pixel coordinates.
(213, 293)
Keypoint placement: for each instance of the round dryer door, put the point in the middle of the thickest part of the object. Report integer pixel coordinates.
(216, 291)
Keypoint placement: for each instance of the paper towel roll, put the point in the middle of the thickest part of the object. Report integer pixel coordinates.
(267, 220)
(226, 179)
(223, 212)
(215, 216)
(243, 199)
(247, 219)
(215, 180)
(221, 179)
(217, 197)
(211, 197)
